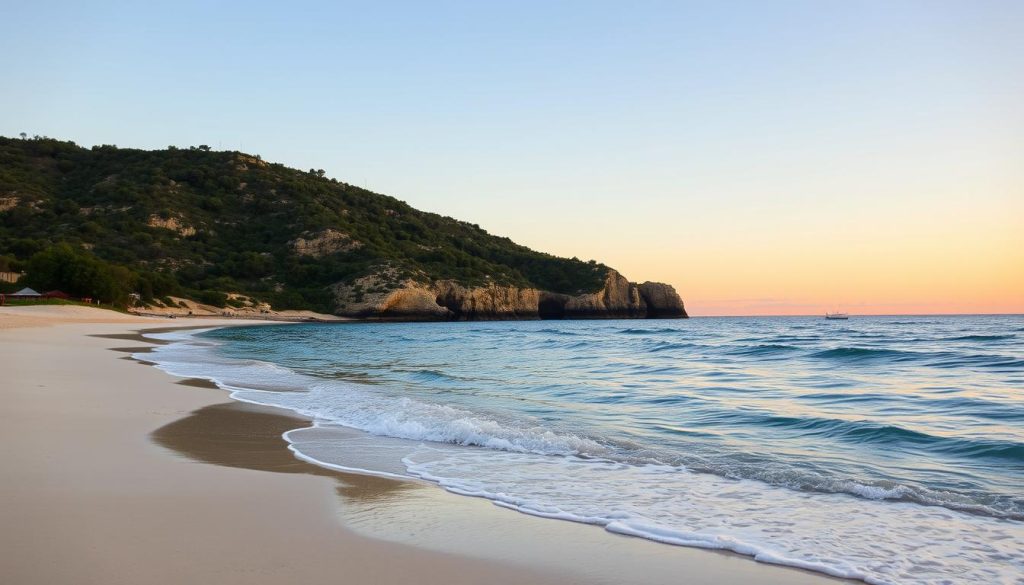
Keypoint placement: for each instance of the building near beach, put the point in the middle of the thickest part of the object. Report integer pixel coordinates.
(25, 293)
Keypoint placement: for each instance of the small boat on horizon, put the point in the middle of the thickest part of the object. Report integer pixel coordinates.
(842, 316)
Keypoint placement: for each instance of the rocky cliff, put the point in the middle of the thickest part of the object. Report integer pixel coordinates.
(378, 297)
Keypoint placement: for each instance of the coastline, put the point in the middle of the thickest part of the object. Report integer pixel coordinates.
(121, 474)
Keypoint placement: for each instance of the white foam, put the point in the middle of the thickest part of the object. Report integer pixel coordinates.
(840, 535)
(878, 493)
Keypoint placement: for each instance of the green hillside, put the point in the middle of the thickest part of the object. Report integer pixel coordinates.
(107, 221)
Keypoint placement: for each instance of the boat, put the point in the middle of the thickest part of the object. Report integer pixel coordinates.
(842, 316)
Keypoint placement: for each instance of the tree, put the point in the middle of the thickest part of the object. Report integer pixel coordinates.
(81, 274)
(8, 264)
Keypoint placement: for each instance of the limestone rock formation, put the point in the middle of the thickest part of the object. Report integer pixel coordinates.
(619, 298)
(662, 300)
(414, 304)
(325, 242)
(487, 302)
(8, 203)
(381, 296)
(172, 223)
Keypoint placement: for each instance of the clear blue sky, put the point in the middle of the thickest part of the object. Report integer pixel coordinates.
(761, 156)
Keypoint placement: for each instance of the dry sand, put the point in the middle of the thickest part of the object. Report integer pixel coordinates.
(114, 473)
(47, 315)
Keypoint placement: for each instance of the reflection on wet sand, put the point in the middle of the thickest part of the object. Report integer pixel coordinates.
(249, 437)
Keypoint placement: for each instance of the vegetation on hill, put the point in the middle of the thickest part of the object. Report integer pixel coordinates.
(108, 221)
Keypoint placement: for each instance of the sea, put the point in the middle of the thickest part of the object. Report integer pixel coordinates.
(886, 449)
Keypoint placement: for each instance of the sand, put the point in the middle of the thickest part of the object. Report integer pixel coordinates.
(48, 315)
(115, 472)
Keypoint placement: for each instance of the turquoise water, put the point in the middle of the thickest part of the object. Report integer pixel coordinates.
(889, 449)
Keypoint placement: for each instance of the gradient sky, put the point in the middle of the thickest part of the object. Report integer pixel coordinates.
(763, 157)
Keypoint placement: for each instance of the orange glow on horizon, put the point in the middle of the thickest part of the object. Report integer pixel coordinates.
(960, 250)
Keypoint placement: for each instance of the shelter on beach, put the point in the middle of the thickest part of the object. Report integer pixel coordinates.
(31, 294)
(25, 293)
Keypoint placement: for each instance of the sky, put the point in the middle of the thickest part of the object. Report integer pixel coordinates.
(763, 157)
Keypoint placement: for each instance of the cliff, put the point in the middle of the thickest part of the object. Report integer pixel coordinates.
(450, 301)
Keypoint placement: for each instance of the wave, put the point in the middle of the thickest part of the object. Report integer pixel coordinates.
(763, 350)
(655, 370)
(936, 359)
(957, 360)
(406, 418)
(966, 406)
(794, 338)
(980, 338)
(975, 407)
(865, 431)
(863, 354)
(1003, 364)
(432, 375)
(649, 331)
(555, 331)
(841, 397)
(669, 346)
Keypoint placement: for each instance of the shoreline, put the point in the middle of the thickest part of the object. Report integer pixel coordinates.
(126, 474)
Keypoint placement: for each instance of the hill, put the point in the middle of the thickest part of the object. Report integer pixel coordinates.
(203, 224)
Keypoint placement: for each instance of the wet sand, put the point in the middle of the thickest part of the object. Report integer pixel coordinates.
(115, 472)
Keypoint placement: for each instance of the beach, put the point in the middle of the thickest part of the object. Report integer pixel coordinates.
(116, 472)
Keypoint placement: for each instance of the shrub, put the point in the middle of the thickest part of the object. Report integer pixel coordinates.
(213, 297)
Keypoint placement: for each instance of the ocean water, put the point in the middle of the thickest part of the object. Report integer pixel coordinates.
(886, 449)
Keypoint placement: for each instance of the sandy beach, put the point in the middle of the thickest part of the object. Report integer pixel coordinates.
(115, 472)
